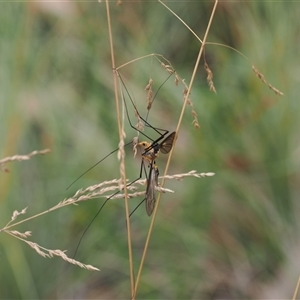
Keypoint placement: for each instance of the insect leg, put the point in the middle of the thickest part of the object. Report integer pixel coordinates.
(99, 210)
(157, 130)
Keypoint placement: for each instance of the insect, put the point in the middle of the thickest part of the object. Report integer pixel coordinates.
(162, 132)
(150, 151)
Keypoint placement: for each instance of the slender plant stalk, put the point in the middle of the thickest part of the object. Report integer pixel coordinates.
(143, 57)
(297, 289)
(121, 147)
(171, 152)
(257, 73)
(186, 25)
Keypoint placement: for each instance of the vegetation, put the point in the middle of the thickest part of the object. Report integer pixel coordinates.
(234, 235)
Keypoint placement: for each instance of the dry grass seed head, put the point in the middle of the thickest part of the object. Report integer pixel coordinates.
(61, 254)
(195, 121)
(176, 80)
(140, 124)
(17, 213)
(20, 158)
(262, 78)
(168, 68)
(135, 142)
(209, 78)
(24, 235)
(149, 98)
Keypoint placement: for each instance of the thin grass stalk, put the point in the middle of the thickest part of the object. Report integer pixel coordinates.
(171, 152)
(121, 147)
(297, 289)
(30, 218)
(185, 24)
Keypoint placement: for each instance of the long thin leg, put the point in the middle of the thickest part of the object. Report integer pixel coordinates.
(147, 176)
(152, 181)
(154, 97)
(97, 164)
(157, 130)
(136, 207)
(100, 209)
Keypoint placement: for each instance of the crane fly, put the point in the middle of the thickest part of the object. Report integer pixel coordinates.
(160, 131)
(150, 151)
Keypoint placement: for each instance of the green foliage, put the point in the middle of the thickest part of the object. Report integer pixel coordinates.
(227, 236)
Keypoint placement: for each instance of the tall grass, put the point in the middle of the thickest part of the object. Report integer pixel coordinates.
(233, 235)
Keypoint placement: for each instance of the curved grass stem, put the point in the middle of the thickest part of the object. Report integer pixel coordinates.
(121, 148)
(171, 152)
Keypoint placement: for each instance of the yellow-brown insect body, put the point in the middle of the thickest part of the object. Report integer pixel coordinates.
(149, 154)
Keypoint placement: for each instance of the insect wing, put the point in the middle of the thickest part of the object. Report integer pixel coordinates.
(152, 181)
(167, 144)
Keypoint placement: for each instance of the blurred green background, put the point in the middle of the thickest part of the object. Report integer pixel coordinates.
(232, 236)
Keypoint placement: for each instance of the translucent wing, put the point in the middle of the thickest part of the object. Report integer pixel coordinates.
(167, 144)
